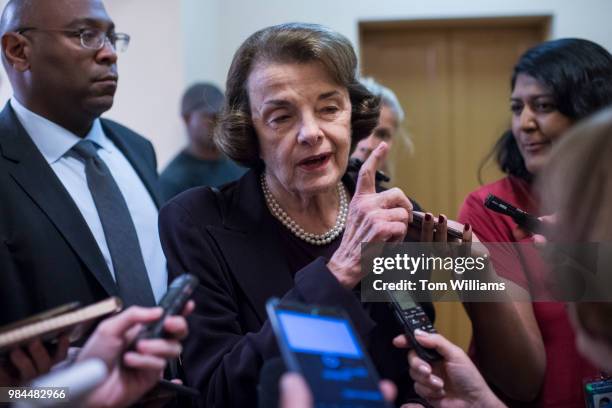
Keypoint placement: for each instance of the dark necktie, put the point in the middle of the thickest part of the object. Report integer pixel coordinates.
(119, 231)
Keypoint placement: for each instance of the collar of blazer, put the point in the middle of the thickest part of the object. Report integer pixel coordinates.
(15, 147)
(246, 210)
(135, 148)
(28, 168)
(249, 241)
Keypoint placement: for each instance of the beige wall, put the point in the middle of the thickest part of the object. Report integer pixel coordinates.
(239, 18)
(151, 72)
(176, 42)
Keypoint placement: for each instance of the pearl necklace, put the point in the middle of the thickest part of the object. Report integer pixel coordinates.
(297, 230)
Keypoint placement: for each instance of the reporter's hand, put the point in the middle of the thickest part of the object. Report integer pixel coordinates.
(295, 393)
(372, 217)
(549, 222)
(30, 361)
(453, 382)
(132, 373)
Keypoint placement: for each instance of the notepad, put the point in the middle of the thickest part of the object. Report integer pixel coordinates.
(70, 319)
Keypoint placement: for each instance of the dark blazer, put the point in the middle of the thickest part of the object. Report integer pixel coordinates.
(230, 242)
(48, 255)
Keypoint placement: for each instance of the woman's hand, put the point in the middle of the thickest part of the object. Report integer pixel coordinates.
(372, 217)
(549, 222)
(452, 382)
(437, 232)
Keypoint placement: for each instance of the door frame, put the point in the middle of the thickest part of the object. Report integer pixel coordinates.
(538, 21)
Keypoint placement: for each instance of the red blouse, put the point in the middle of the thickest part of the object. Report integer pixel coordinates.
(565, 368)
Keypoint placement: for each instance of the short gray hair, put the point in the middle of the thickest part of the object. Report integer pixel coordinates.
(388, 98)
(386, 95)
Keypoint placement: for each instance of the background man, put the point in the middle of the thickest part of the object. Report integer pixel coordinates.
(200, 163)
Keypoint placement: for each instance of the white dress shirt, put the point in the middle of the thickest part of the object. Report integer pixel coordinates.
(54, 142)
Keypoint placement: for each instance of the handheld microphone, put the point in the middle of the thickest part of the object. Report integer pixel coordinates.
(79, 379)
(522, 218)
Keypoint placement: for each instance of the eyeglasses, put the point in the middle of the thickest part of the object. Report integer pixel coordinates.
(90, 38)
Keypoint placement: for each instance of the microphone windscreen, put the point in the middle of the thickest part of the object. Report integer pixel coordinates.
(79, 379)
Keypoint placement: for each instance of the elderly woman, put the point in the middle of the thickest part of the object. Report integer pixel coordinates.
(388, 126)
(293, 225)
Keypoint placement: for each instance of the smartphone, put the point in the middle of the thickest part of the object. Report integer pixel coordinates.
(522, 218)
(454, 230)
(411, 316)
(322, 345)
(173, 302)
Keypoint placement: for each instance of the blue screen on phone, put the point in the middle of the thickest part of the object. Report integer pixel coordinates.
(331, 360)
(319, 334)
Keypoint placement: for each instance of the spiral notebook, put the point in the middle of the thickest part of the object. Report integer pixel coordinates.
(48, 325)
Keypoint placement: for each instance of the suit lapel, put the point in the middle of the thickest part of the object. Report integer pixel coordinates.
(250, 246)
(32, 173)
(135, 159)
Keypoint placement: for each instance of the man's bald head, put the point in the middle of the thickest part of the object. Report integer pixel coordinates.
(15, 15)
(44, 56)
(34, 13)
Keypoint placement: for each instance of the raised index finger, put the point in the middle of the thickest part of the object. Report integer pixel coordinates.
(366, 181)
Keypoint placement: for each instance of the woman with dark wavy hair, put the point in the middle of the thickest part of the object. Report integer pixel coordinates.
(527, 351)
(292, 227)
(580, 167)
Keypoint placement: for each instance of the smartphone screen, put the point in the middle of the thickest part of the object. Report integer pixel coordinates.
(326, 351)
(403, 299)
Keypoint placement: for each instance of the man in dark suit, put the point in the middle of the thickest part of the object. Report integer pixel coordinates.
(78, 206)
